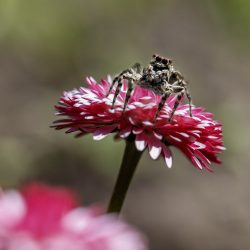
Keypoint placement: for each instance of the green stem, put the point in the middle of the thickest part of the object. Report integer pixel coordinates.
(130, 160)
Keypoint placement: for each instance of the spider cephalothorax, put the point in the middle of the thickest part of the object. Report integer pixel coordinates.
(159, 76)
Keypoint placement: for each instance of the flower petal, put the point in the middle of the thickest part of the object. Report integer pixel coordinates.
(196, 162)
(99, 134)
(89, 110)
(155, 147)
(167, 155)
(141, 142)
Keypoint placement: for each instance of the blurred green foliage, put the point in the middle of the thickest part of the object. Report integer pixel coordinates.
(236, 16)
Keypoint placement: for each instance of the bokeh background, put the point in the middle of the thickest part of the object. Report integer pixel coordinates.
(51, 46)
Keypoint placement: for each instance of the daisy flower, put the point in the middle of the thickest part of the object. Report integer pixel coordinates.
(89, 110)
(41, 217)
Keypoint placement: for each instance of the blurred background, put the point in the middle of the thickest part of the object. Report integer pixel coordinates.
(51, 46)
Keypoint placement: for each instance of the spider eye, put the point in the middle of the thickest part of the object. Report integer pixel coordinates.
(158, 59)
(165, 61)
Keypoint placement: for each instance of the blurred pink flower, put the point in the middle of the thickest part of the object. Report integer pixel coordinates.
(88, 110)
(46, 218)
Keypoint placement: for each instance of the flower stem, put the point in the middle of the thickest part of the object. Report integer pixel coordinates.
(130, 160)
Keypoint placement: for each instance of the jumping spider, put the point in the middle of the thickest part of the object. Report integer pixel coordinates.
(159, 76)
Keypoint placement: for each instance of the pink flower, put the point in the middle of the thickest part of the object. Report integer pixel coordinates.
(46, 218)
(88, 110)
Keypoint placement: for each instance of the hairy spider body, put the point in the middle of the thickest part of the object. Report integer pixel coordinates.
(159, 76)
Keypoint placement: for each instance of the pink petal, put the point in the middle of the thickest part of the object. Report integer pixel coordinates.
(167, 155)
(99, 134)
(155, 147)
(198, 145)
(137, 131)
(141, 142)
(12, 209)
(158, 136)
(125, 132)
(196, 162)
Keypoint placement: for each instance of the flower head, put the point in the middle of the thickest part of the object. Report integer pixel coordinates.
(46, 218)
(89, 110)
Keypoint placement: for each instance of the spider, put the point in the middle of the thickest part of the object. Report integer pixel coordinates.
(159, 76)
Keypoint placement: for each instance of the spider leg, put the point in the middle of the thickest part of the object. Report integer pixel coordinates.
(137, 67)
(161, 104)
(117, 91)
(176, 104)
(128, 94)
(189, 101)
(112, 85)
(116, 79)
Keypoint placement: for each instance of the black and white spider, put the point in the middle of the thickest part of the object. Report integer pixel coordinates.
(159, 76)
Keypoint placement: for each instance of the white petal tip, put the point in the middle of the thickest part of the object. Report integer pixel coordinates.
(112, 111)
(197, 163)
(147, 123)
(155, 152)
(140, 145)
(125, 135)
(221, 147)
(169, 161)
(99, 137)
